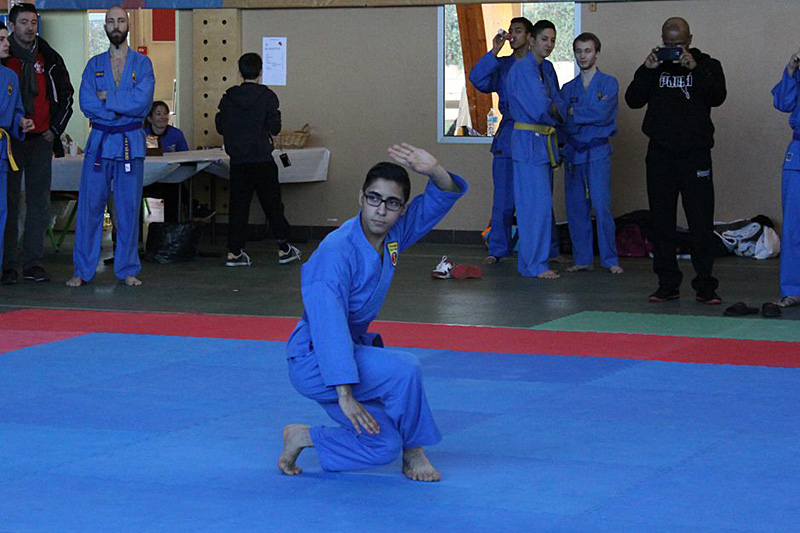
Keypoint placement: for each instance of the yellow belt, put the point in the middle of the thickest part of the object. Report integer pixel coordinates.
(4, 133)
(549, 131)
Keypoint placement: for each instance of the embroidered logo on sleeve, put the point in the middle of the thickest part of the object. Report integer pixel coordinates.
(133, 77)
(599, 96)
(789, 155)
(10, 89)
(392, 248)
(99, 73)
(703, 173)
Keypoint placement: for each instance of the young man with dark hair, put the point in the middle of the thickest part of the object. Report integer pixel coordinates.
(532, 88)
(589, 106)
(13, 124)
(489, 75)
(247, 119)
(334, 360)
(115, 95)
(679, 95)
(47, 98)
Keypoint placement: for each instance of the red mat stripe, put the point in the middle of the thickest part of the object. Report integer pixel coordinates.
(433, 336)
(16, 340)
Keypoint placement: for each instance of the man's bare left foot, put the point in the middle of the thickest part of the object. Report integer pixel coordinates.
(74, 281)
(132, 281)
(548, 274)
(416, 466)
(616, 269)
(296, 437)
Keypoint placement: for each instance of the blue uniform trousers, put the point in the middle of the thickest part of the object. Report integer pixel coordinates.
(533, 197)
(596, 176)
(3, 210)
(790, 234)
(92, 198)
(390, 388)
(502, 207)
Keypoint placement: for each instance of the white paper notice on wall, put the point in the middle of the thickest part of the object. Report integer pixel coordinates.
(273, 61)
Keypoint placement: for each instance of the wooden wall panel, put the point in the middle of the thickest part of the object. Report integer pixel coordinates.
(217, 47)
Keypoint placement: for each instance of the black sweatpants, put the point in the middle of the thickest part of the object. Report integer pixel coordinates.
(263, 179)
(689, 175)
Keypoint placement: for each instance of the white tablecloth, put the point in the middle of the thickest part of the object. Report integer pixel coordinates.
(308, 164)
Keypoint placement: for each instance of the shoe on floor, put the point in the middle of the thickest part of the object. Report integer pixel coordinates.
(234, 260)
(466, 272)
(10, 277)
(36, 273)
(788, 301)
(664, 294)
(442, 270)
(292, 254)
(202, 213)
(740, 309)
(770, 310)
(709, 298)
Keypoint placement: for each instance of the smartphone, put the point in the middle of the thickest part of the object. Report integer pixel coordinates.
(669, 54)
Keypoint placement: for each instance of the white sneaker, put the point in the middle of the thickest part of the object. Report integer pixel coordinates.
(234, 260)
(442, 270)
(292, 254)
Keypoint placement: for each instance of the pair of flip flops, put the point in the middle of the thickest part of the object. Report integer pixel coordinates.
(768, 310)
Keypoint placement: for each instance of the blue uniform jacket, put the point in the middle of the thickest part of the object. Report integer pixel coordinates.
(126, 104)
(594, 116)
(531, 93)
(11, 111)
(785, 97)
(172, 140)
(344, 284)
(489, 76)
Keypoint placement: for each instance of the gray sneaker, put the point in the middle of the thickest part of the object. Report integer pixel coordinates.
(234, 260)
(292, 254)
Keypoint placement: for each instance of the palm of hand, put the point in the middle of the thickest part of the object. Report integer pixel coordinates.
(421, 161)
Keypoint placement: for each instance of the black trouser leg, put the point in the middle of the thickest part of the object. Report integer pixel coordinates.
(697, 196)
(269, 194)
(662, 193)
(241, 193)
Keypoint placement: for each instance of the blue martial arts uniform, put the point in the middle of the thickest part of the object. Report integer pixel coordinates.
(488, 76)
(344, 284)
(587, 174)
(531, 92)
(172, 140)
(11, 112)
(115, 153)
(786, 98)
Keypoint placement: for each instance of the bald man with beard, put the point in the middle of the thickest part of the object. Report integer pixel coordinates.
(116, 94)
(679, 94)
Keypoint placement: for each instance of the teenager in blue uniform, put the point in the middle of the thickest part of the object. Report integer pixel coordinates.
(375, 394)
(786, 98)
(589, 105)
(116, 94)
(12, 124)
(532, 91)
(488, 76)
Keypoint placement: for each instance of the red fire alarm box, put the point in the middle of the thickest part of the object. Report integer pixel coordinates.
(142, 49)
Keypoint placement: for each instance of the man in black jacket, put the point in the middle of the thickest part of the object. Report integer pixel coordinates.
(247, 119)
(679, 93)
(47, 99)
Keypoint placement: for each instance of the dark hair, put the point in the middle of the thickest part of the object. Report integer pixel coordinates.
(21, 8)
(250, 66)
(157, 104)
(585, 37)
(525, 22)
(3, 26)
(389, 172)
(542, 25)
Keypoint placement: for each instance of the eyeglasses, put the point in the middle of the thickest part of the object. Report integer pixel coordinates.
(375, 200)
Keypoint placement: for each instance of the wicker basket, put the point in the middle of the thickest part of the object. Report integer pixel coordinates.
(292, 139)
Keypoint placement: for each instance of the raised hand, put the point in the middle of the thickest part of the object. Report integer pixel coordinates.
(652, 61)
(415, 158)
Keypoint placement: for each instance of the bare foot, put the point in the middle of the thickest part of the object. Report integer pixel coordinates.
(132, 281)
(548, 274)
(616, 269)
(295, 438)
(490, 260)
(416, 466)
(74, 281)
(579, 268)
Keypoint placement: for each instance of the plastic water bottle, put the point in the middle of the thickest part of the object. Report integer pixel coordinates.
(492, 121)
